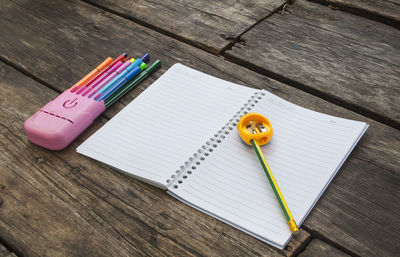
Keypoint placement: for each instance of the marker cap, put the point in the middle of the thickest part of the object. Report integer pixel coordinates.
(155, 65)
(104, 64)
(142, 66)
(145, 57)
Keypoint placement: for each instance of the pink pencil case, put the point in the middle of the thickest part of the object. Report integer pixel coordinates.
(61, 120)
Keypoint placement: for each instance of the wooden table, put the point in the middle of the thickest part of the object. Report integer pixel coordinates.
(337, 57)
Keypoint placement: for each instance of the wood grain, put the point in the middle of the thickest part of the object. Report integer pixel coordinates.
(348, 214)
(320, 248)
(211, 25)
(63, 204)
(386, 11)
(4, 252)
(339, 56)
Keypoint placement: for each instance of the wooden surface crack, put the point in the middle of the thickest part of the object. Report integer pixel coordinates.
(365, 10)
(316, 235)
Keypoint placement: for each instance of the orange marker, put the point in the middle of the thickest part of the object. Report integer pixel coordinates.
(93, 73)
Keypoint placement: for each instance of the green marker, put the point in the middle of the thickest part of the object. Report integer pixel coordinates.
(122, 91)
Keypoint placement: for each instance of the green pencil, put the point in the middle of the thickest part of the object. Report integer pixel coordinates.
(122, 91)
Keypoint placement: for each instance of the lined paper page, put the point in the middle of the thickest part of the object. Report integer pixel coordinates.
(304, 154)
(157, 132)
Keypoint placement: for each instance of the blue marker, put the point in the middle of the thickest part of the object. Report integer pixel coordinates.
(115, 80)
(121, 82)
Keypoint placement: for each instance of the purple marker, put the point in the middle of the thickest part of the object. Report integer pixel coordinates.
(103, 77)
(121, 82)
(114, 74)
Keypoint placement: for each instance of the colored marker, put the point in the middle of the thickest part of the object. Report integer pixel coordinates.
(91, 74)
(122, 91)
(112, 76)
(121, 82)
(102, 77)
(96, 77)
(115, 80)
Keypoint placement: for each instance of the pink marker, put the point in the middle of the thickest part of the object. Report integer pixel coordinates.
(102, 77)
(74, 89)
(114, 74)
(80, 90)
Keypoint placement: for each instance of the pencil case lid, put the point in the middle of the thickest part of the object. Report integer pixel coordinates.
(61, 120)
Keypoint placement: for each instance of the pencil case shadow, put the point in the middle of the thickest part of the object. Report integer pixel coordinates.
(61, 120)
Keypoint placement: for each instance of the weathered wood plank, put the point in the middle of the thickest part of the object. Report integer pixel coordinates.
(4, 252)
(320, 248)
(40, 215)
(343, 57)
(63, 204)
(334, 217)
(386, 11)
(208, 24)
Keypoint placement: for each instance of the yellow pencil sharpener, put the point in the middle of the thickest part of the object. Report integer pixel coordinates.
(255, 126)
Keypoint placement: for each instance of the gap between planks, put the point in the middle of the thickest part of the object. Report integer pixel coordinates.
(238, 38)
(231, 40)
(9, 250)
(28, 74)
(359, 12)
(316, 235)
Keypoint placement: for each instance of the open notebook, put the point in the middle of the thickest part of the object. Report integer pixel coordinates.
(180, 134)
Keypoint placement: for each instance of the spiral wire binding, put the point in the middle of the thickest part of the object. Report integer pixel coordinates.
(190, 166)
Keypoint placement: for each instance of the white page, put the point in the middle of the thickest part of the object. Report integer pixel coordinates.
(304, 154)
(158, 131)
